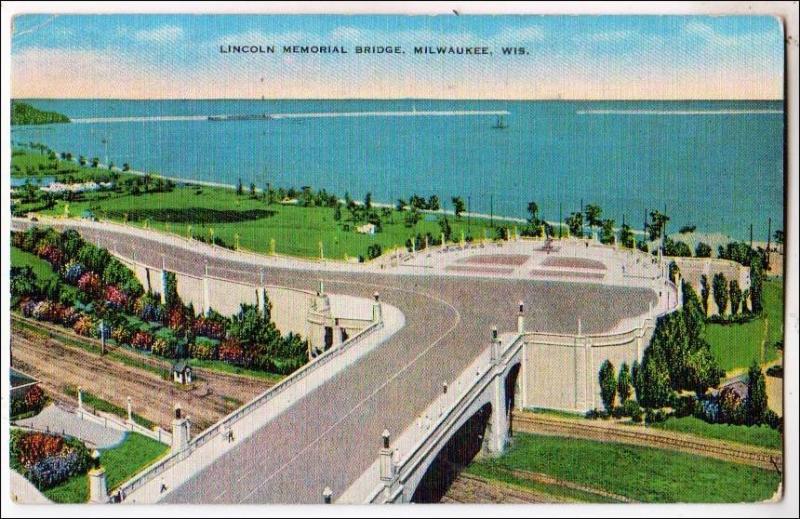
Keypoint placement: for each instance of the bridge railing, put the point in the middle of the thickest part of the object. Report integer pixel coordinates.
(228, 421)
(479, 374)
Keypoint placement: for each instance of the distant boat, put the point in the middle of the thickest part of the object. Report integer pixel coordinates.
(500, 124)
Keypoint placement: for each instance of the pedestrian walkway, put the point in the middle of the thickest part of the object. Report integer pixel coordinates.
(60, 421)
(23, 492)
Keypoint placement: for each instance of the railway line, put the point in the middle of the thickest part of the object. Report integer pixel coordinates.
(647, 437)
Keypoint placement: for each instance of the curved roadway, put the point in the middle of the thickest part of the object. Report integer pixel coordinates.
(332, 435)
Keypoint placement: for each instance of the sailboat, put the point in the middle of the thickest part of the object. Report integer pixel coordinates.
(500, 124)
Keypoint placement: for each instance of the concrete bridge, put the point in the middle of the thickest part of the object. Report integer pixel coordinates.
(427, 367)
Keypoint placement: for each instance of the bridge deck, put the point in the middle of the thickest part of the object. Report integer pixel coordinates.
(332, 435)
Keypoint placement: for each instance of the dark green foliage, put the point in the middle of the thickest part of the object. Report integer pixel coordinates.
(676, 248)
(703, 250)
(458, 206)
(720, 290)
(657, 224)
(626, 236)
(374, 251)
(608, 385)
(735, 296)
(607, 235)
(756, 403)
(23, 113)
(705, 291)
(624, 384)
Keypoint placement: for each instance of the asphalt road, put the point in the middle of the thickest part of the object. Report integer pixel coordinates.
(331, 436)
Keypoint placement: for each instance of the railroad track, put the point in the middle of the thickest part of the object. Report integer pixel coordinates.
(745, 454)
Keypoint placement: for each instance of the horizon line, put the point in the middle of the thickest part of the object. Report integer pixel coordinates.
(783, 99)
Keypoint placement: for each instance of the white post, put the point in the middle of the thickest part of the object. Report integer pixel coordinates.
(130, 410)
(180, 432)
(80, 398)
(98, 491)
(521, 318)
(377, 313)
(387, 471)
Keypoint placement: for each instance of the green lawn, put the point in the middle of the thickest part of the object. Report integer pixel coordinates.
(129, 458)
(224, 367)
(42, 269)
(121, 463)
(642, 474)
(761, 436)
(737, 345)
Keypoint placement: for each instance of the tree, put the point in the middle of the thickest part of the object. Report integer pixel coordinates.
(239, 188)
(412, 217)
(95, 162)
(636, 379)
(654, 382)
(658, 222)
(624, 383)
(608, 385)
(607, 235)
(575, 223)
(444, 225)
(778, 236)
(626, 236)
(593, 213)
(736, 296)
(533, 211)
(401, 204)
(704, 292)
(756, 402)
(337, 212)
(368, 201)
(252, 190)
(458, 206)
(433, 203)
(703, 250)
(720, 289)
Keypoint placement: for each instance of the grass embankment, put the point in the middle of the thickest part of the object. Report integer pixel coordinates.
(758, 435)
(121, 463)
(40, 267)
(737, 345)
(638, 473)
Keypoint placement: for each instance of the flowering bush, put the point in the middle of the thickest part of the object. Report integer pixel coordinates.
(142, 340)
(89, 282)
(176, 318)
(148, 308)
(34, 398)
(43, 311)
(163, 347)
(51, 253)
(84, 326)
(231, 351)
(210, 327)
(27, 306)
(121, 335)
(69, 316)
(73, 271)
(203, 349)
(115, 297)
(72, 460)
(30, 448)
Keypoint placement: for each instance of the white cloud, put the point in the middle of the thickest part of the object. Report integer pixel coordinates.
(163, 34)
(521, 34)
(609, 36)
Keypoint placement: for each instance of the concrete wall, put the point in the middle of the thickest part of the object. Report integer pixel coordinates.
(693, 269)
(561, 371)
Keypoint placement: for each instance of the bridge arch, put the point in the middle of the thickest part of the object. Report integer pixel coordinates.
(512, 394)
(462, 447)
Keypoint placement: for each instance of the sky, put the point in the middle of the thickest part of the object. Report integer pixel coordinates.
(568, 57)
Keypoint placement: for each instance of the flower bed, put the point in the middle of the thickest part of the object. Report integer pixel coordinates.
(47, 459)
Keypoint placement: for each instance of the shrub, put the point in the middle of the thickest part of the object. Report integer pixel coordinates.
(632, 409)
(121, 334)
(593, 414)
(231, 351)
(204, 349)
(142, 340)
(212, 326)
(655, 416)
(72, 272)
(30, 448)
(43, 311)
(85, 326)
(72, 460)
(684, 406)
(89, 283)
(164, 348)
(115, 297)
(27, 306)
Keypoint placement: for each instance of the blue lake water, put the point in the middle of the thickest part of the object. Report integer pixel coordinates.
(716, 165)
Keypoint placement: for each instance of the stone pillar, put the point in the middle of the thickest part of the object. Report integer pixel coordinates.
(495, 443)
(130, 410)
(495, 347)
(523, 402)
(386, 467)
(377, 312)
(521, 318)
(262, 303)
(98, 492)
(180, 432)
(80, 398)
